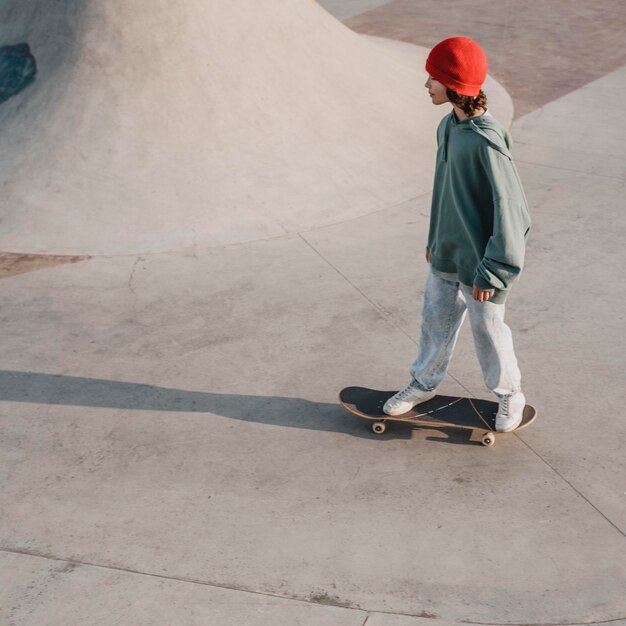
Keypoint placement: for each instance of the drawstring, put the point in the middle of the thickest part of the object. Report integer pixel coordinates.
(504, 405)
(446, 133)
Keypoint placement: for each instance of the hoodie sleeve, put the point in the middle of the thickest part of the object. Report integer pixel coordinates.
(503, 259)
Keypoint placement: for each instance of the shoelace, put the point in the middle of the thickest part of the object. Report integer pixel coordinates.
(405, 392)
(504, 406)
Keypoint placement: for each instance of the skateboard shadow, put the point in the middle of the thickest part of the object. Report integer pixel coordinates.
(454, 436)
(48, 389)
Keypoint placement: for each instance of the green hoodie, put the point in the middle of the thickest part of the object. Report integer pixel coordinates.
(479, 218)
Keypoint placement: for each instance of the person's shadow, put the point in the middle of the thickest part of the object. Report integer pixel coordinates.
(288, 412)
(89, 392)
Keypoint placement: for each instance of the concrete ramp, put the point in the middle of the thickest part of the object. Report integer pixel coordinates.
(155, 126)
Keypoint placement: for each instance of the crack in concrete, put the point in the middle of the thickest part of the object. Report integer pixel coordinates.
(132, 274)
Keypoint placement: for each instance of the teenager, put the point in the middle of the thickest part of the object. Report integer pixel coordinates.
(479, 223)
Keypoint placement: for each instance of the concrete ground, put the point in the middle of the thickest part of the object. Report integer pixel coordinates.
(173, 451)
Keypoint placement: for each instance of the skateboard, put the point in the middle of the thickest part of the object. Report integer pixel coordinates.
(439, 412)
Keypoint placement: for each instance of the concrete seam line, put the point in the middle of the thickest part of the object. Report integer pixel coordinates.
(195, 581)
(387, 317)
(591, 504)
(286, 235)
(568, 169)
(369, 214)
(608, 621)
(379, 309)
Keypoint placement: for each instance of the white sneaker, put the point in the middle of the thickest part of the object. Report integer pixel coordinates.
(510, 412)
(406, 399)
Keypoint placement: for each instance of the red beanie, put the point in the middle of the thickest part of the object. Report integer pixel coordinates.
(458, 63)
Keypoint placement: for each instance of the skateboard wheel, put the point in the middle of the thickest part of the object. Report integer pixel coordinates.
(488, 439)
(378, 427)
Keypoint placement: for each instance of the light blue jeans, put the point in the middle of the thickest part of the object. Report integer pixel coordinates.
(445, 306)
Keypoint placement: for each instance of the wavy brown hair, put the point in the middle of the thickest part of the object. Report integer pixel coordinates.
(468, 104)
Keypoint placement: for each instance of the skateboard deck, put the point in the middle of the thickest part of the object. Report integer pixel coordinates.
(439, 412)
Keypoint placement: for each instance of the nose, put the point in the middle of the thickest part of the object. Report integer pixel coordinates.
(427, 83)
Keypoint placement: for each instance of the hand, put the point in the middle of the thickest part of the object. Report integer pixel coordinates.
(427, 255)
(480, 294)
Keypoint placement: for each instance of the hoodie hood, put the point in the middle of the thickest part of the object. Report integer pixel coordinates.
(485, 125)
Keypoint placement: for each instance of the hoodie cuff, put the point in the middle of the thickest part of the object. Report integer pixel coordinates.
(481, 283)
